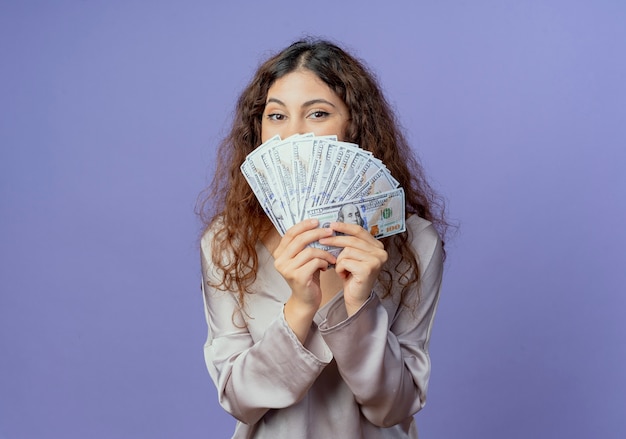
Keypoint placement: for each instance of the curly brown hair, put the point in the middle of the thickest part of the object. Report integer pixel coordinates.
(231, 210)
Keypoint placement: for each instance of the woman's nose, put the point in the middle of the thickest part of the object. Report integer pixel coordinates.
(294, 127)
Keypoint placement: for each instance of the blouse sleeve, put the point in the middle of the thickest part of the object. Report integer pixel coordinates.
(386, 364)
(253, 376)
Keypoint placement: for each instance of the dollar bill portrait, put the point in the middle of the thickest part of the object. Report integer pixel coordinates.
(350, 214)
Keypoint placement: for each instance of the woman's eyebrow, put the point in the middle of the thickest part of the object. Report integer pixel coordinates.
(306, 104)
(317, 101)
(276, 101)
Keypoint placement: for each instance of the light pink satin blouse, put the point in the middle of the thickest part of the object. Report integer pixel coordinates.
(363, 376)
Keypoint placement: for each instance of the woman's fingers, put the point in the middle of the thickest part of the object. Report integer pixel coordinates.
(299, 237)
(365, 265)
(300, 264)
(359, 262)
(294, 267)
(351, 236)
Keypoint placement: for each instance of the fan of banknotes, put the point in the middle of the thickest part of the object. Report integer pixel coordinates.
(308, 176)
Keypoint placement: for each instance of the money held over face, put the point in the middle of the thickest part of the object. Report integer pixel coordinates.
(307, 176)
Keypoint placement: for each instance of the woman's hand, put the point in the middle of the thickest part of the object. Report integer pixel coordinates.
(300, 265)
(358, 264)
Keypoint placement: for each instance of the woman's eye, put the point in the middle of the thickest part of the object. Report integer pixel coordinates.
(276, 116)
(318, 114)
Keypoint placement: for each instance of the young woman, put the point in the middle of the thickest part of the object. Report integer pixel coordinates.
(295, 348)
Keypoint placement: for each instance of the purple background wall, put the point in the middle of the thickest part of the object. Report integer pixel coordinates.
(110, 112)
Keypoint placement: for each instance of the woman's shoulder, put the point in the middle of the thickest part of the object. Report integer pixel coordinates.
(211, 237)
(418, 226)
(424, 238)
(211, 231)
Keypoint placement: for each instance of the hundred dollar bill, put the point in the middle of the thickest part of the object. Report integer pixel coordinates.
(381, 215)
(309, 157)
(354, 165)
(321, 179)
(313, 174)
(301, 153)
(270, 204)
(369, 167)
(282, 161)
(255, 161)
(342, 160)
(381, 181)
